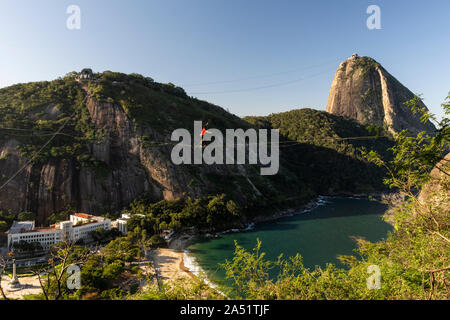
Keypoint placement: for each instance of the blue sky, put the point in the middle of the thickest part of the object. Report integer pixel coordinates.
(253, 57)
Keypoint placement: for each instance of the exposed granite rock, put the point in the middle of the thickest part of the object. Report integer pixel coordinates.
(131, 158)
(363, 90)
(133, 171)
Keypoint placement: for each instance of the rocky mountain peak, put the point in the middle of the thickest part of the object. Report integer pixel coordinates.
(363, 90)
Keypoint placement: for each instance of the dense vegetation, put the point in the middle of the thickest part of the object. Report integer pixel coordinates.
(413, 261)
(324, 152)
(107, 274)
(316, 158)
(325, 130)
(163, 107)
(212, 212)
(318, 155)
(114, 272)
(7, 218)
(32, 112)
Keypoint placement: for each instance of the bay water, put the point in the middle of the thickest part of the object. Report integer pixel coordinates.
(319, 235)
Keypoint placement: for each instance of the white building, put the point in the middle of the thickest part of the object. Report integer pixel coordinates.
(78, 227)
(21, 226)
(122, 222)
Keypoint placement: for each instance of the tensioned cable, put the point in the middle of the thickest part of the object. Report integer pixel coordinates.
(39, 134)
(58, 132)
(262, 87)
(260, 76)
(164, 143)
(281, 143)
(157, 144)
(40, 150)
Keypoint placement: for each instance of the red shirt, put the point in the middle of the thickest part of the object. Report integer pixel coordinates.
(203, 132)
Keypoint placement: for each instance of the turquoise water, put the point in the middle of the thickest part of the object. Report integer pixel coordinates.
(319, 236)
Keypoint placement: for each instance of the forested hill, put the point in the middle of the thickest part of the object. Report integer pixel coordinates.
(323, 129)
(330, 149)
(115, 147)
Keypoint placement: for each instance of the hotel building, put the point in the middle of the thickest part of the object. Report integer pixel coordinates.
(78, 227)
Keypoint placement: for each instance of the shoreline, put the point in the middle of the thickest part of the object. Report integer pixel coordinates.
(173, 264)
(182, 242)
(169, 265)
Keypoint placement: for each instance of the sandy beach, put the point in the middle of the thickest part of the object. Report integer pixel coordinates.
(170, 264)
(170, 261)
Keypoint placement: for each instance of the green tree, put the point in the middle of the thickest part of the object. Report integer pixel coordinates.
(26, 216)
(3, 226)
(157, 241)
(113, 270)
(413, 260)
(121, 249)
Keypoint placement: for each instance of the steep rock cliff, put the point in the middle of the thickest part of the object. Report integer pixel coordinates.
(363, 90)
(108, 172)
(116, 148)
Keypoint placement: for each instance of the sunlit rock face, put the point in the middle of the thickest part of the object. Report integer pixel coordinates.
(363, 90)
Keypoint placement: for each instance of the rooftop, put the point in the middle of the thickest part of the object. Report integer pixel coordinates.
(21, 227)
(85, 224)
(29, 226)
(44, 229)
(83, 215)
